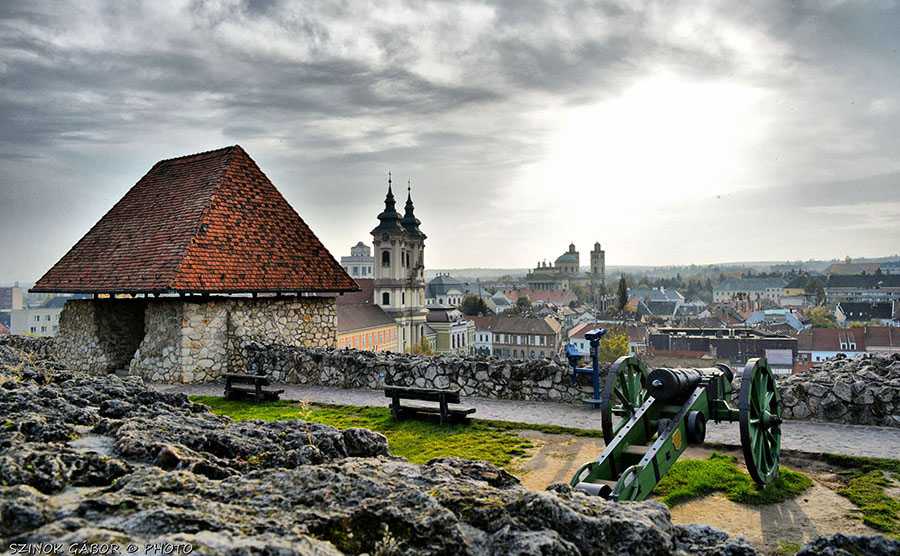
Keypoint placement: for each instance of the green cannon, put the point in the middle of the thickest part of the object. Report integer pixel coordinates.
(650, 417)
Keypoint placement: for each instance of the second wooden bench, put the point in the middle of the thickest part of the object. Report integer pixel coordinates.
(443, 398)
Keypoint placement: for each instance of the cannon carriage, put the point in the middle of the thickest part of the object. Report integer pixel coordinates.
(649, 417)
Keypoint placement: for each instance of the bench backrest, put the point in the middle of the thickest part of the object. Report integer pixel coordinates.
(247, 379)
(424, 394)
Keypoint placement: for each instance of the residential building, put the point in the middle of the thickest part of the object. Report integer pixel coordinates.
(557, 297)
(880, 312)
(752, 291)
(773, 318)
(366, 327)
(820, 344)
(445, 291)
(852, 268)
(363, 325)
(399, 287)
(4, 330)
(525, 338)
(498, 303)
(38, 321)
(454, 333)
(866, 288)
(737, 345)
(890, 267)
(11, 299)
(663, 303)
(484, 335)
(637, 336)
(360, 263)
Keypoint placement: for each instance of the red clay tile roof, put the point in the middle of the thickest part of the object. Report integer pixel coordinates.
(366, 293)
(211, 223)
(830, 339)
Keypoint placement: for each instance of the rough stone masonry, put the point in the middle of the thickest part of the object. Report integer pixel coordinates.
(860, 391)
(486, 377)
(100, 459)
(185, 340)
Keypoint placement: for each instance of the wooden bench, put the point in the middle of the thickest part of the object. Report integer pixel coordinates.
(234, 391)
(443, 398)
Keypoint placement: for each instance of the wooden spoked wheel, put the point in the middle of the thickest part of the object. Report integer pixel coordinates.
(760, 418)
(625, 391)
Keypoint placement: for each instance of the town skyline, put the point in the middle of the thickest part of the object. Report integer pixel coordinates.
(672, 134)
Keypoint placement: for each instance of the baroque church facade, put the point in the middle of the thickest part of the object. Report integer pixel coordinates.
(399, 273)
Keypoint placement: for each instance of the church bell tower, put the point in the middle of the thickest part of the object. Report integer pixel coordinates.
(399, 285)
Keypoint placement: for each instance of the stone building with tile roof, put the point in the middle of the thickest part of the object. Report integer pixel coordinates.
(202, 255)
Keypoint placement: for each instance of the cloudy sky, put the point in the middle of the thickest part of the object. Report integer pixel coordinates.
(672, 132)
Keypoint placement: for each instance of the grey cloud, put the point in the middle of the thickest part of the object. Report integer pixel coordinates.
(447, 100)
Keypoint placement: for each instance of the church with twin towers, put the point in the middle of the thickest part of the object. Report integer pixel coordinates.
(399, 269)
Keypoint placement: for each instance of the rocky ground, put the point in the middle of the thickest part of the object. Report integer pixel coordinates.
(88, 459)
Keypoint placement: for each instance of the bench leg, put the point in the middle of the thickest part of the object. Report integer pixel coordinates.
(444, 413)
(395, 407)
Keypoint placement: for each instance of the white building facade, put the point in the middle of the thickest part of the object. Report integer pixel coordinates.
(360, 263)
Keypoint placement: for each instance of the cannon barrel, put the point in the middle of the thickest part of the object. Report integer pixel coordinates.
(666, 384)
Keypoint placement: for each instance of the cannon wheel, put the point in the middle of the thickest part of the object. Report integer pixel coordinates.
(626, 390)
(760, 417)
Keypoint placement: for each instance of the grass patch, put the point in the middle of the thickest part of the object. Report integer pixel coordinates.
(879, 511)
(690, 479)
(866, 480)
(417, 441)
(788, 548)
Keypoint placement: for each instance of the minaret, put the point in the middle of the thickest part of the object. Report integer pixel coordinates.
(399, 285)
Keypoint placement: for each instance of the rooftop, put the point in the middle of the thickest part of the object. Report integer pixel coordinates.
(360, 316)
(866, 281)
(205, 223)
(751, 284)
(867, 311)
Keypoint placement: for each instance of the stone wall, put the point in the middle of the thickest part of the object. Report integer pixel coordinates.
(862, 391)
(199, 341)
(100, 336)
(180, 340)
(486, 377)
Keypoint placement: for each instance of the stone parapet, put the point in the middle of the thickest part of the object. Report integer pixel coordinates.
(487, 377)
(860, 391)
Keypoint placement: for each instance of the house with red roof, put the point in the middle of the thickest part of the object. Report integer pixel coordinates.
(202, 255)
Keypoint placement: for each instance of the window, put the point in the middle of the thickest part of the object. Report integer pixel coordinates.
(402, 298)
(47, 318)
(386, 259)
(37, 318)
(385, 298)
(355, 271)
(33, 329)
(43, 329)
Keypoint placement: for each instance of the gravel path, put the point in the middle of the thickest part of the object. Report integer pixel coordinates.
(802, 436)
